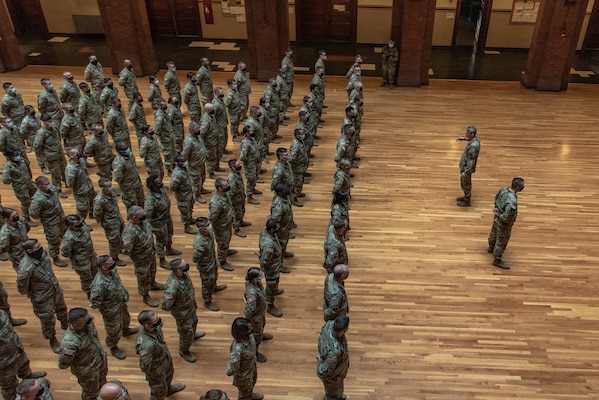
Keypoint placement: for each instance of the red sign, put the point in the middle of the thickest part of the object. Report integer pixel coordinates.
(208, 15)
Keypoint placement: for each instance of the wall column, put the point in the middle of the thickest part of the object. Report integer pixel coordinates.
(11, 58)
(553, 45)
(128, 35)
(412, 31)
(268, 36)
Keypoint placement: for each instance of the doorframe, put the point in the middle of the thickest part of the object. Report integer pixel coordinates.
(481, 43)
(328, 6)
(593, 20)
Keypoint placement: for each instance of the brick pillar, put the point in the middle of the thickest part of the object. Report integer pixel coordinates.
(268, 36)
(128, 35)
(11, 58)
(553, 45)
(412, 30)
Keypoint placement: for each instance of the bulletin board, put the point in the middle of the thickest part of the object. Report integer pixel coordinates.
(525, 12)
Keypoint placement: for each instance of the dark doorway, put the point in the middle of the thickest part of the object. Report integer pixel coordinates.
(472, 23)
(174, 17)
(28, 18)
(326, 20)
(591, 40)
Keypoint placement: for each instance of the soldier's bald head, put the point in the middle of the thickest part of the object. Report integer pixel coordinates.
(110, 391)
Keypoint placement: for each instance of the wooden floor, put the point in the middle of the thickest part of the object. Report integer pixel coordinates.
(430, 317)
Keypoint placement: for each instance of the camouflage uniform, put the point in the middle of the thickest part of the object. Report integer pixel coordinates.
(106, 212)
(13, 107)
(344, 149)
(335, 299)
(47, 142)
(468, 166)
(192, 100)
(334, 250)
(233, 104)
(36, 279)
(110, 296)
(179, 299)
(242, 366)
(250, 156)
(69, 93)
(71, 132)
(137, 116)
(154, 96)
(108, 92)
(287, 65)
(222, 122)
(78, 246)
(12, 239)
(506, 203)
(280, 209)
(129, 83)
(164, 130)
(48, 102)
(175, 117)
(222, 217)
(100, 150)
(158, 211)
(28, 129)
(255, 309)
(14, 361)
(18, 174)
(244, 89)
(149, 150)
(90, 110)
(209, 134)
(46, 207)
(271, 260)
(204, 256)
(127, 176)
(155, 361)
(299, 159)
(172, 84)
(83, 353)
(389, 63)
(83, 189)
(116, 125)
(334, 361)
(94, 74)
(182, 187)
(272, 114)
(195, 153)
(204, 82)
(12, 138)
(237, 196)
(341, 181)
(138, 244)
(44, 391)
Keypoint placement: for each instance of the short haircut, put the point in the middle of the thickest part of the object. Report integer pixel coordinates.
(144, 316)
(517, 183)
(271, 223)
(76, 313)
(341, 323)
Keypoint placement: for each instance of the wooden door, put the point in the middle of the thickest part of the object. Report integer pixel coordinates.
(28, 18)
(174, 17)
(591, 40)
(326, 20)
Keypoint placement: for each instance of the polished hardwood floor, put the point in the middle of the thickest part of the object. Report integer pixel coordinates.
(431, 318)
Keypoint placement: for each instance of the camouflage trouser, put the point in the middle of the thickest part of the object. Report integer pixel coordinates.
(250, 177)
(198, 177)
(333, 388)
(272, 285)
(186, 211)
(130, 99)
(160, 380)
(133, 196)
(389, 72)
(163, 231)
(258, 323)
(499, 238)
(244, 101)
(298, 182)
(48, 309)
(54, 234)
(154, 167)
(239, 210)
(211, 160)
(91, 382)
(466, 184)
(223, 139)
(115, 243)
(245, 385)
(223, 238)
(8, 376)
(194, 112)
(4, 300)
(234, 118)
(57, 167)
(104, 169)
(283, 236)
(86, 273)
(84, 204)
(115, 324)
(208, 285)
(186, 328)
(168, 151)
(24, 196)
(145, 271)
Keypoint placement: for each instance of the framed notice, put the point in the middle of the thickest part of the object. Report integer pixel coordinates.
(525, 12)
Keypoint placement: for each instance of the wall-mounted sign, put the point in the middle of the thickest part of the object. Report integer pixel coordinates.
(525, 12)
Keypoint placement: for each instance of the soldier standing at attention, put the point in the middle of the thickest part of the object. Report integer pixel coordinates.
(233, 104)
(164, 130)
(46, 206)
(222, 217)
(182, 187)
(204, 81)
(155, 359)
(271, 260)
(14, 361)
(138, 243)
(108, 92)
(250, 155)
(128, 82)
(191, 98)
(98, 147)
(171, 81)
(242, 364)
(110, 296)
(82, 351)
(89, 108)
(335, 299)
(334, 244)
(175, 117)
(154, 93)
(71, 129)
(390, 58)
(255, 308)
(77, 245)
(505, 212)
(69, 91)
(17, 173)
(237, 195)
(194, 152)
(158, 211)
(12, 236)
(287, 66)
(106, 212)
(127, 176)
(149, 150)
(244, 88)
(209, 134)
(94, 74)
(12, 104)
(116, 123)
(280, 209)
(78, 180)
(204, 256)
(28, 129)
(36, 279)
(47, 142)
(333, 357)
(137, 115)
(468, 165)
(179, 299)
(48, 102)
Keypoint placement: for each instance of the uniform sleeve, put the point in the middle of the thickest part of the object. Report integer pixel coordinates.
(122, 78)
(66, 247)
(327, 364)
(98, 210)
(6, 179)
(145, 357)
(39, 141)
(118, 171)
(128, 241)
(234, 362)
(168, 300)
(67, 354)
(41, 104)
(35, 208)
